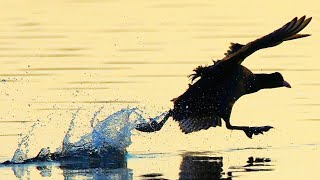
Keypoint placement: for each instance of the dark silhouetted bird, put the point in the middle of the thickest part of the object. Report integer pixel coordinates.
(219, 86)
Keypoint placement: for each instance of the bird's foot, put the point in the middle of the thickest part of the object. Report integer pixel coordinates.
(151, 126)
(256, 130)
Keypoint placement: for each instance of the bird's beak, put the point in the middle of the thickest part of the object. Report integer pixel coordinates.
(286, 84)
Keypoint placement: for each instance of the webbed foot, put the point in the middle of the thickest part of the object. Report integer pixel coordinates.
(153, 125)
(148, 127)
(256, 130)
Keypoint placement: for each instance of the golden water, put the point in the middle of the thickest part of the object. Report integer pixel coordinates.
(59, 56)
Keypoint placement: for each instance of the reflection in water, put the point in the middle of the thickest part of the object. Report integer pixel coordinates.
(107, 160)
(99, 173)
(45, 171)
(254, 164)
(206, 167)
(109, 166)
(20, 170)
(201, 167)
(152, 176)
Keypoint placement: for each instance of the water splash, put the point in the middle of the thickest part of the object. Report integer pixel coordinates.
(66, 141)
(108, 138)
(94, 119)
(112, 133)
(115, 131)
(21, 153)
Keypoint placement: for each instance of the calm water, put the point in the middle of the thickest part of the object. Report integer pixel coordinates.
(75, 55)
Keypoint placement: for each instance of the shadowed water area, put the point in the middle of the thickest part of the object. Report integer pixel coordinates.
(77, 76)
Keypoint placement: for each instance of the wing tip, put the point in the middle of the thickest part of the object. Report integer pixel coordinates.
(296, 36)
(308, 19)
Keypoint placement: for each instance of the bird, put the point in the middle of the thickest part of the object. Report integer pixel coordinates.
(214, 89)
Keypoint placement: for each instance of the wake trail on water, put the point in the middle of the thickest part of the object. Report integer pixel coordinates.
(108, 139)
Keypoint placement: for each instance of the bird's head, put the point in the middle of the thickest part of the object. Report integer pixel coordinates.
(273, 80)
(277, 79)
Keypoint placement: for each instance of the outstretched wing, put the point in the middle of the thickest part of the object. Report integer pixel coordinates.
(287, 32)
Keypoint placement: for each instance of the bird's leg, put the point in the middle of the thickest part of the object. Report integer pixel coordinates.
(243, 128)
(153, 125)
(249, 130)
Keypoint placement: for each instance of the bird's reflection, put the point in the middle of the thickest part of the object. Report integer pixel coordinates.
(210, 167)
(201, 167)
(254, 164)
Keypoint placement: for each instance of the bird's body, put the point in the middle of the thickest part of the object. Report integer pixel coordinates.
(220, 85)
(212, 97)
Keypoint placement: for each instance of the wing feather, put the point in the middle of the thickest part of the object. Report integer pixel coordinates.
(287, 32)
(189, 125)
